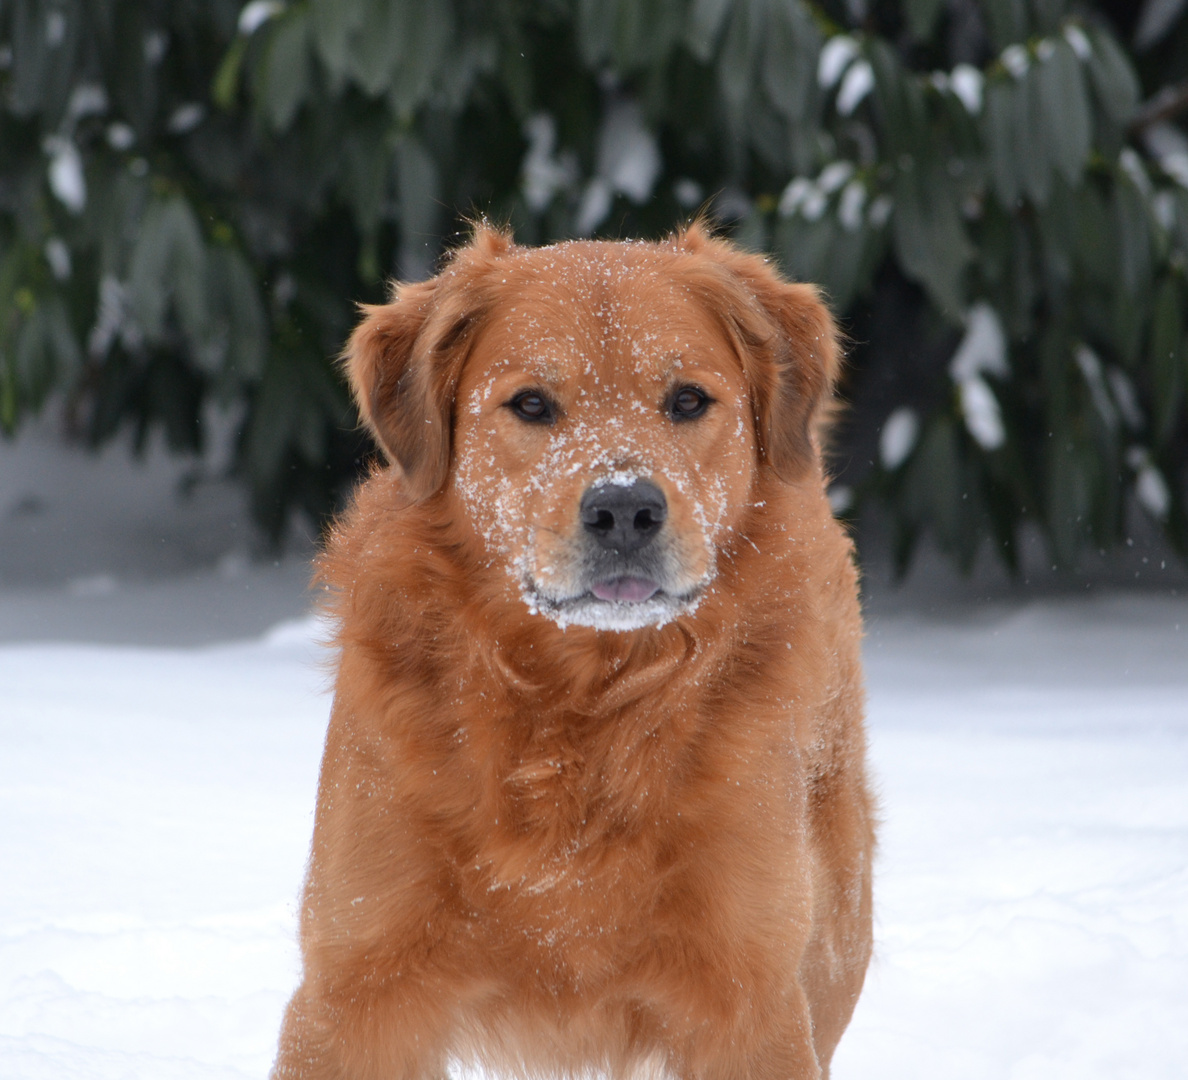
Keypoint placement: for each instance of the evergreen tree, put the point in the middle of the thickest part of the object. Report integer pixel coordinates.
(993, 192)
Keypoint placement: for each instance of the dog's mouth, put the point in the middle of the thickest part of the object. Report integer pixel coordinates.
(618, 603)
(625, 590)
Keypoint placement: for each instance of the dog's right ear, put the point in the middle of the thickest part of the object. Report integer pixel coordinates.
(404, 359)
(392, 378)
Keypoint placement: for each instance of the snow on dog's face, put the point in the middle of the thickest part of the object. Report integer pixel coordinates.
(604, 438)
(599, 410)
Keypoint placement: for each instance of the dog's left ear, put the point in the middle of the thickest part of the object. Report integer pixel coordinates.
(807, 360)
(790, 349)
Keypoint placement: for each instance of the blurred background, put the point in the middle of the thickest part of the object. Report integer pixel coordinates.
(994, 194)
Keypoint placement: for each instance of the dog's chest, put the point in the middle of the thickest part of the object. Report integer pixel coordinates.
(576, 899)
(569, 896)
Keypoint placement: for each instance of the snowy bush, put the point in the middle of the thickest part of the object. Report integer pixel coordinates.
(991, 191)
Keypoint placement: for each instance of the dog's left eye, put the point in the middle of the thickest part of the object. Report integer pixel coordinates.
(533, 407)
(688, 403)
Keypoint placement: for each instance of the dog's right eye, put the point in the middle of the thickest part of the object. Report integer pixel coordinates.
(533, 407)
(688, 403)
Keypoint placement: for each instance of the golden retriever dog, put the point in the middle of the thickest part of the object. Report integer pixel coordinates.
(593, 801)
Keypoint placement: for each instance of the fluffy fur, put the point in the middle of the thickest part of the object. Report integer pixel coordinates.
(557, 835)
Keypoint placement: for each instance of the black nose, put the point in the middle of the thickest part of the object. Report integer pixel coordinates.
(624, 519)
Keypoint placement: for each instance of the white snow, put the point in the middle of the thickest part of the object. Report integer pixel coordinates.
(898, 437)
(859, 82)
(880, 211)
(688, 192)
(120, 136)
(1133, 166)
(57, 254)
(983, 416)
(157, 810)
(809, 198)
(1032, 882)
(55, 28)
(834, 175)
(256, 14)
(1126, 397)
(1155, 20)
(1149, 488)
(185, 118)
(544, 173)
(86, 99)
(1169, 146)
(1077, 41)
(154, 47)
(851, 204)
(968, 83)
(629, 163)
(835, 57)
(800, 189)
(983, 348)
(66, 178)
(1016, 60)
(1092, 371)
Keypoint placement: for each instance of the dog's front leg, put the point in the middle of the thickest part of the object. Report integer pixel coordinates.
(718, 1013)
(383, 944)
(362, 1033)
(756, 1045)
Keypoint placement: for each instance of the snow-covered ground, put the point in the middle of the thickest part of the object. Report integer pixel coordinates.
(1032, 886)
(156, 808)
(159, 753)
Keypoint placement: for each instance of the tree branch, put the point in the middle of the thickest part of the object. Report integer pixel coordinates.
(1169, 102)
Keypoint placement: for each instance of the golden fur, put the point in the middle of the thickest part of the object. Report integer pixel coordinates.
(563, 836)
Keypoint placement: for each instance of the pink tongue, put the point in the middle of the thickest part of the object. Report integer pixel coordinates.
(631, 590)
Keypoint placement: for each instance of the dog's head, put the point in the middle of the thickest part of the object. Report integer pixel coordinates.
(600, 411)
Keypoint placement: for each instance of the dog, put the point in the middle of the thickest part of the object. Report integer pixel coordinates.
(593, 801)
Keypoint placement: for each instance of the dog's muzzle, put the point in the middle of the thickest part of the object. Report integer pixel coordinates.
(626, 563)
(622, 522)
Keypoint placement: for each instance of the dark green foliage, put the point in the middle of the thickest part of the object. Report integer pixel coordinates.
(192, 196)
